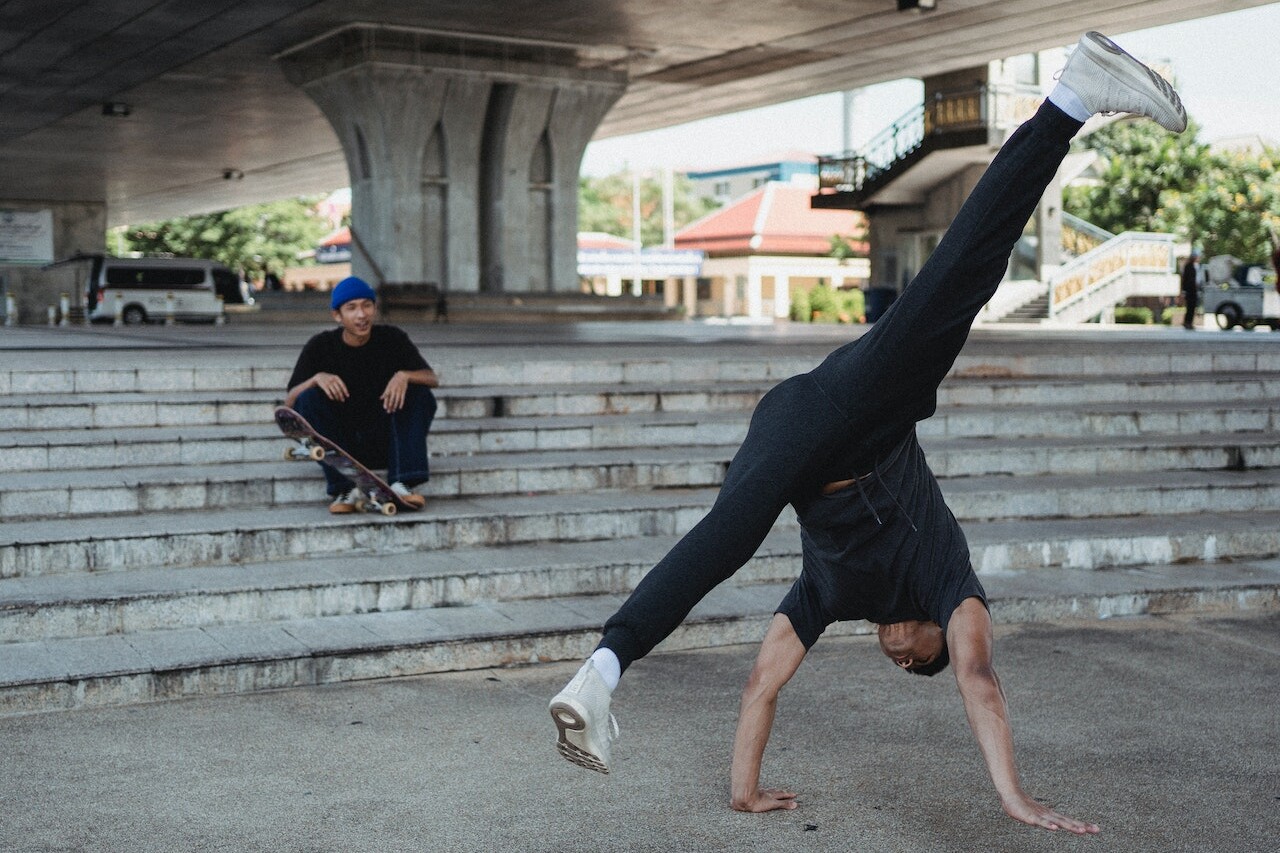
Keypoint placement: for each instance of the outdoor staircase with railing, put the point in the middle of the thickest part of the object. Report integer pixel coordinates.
(1129, 264)
(1030, 304)
(975, 116)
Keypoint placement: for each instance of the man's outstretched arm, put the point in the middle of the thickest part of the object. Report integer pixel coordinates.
(969, 639)
(779, 658)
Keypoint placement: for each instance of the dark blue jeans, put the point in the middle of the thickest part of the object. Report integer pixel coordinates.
(397, 442)
(838, 420)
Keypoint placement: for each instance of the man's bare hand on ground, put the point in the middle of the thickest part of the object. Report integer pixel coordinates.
(766, 800)
(1028, 811)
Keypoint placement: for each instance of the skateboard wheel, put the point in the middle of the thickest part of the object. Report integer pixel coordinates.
(289, 455)
(316, 454)
(388, 508)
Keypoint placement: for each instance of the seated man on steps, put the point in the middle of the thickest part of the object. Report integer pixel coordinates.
(366, 388)
(839, 445)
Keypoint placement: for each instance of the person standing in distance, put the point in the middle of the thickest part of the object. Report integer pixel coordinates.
(365, 387)
(1191, 289)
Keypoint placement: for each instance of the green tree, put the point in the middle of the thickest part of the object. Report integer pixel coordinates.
(252, 238)
(1225, 202)
(842, 246)
(1145, 169)
(1235, 210)
(604, 204)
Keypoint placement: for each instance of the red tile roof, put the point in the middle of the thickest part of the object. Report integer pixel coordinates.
(341, 237)
(775, 219)
(600, 240)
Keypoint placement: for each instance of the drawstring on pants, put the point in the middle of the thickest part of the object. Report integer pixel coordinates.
(875, 469)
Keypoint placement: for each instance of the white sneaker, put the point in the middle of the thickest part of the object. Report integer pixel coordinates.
(408, 496)
(343, 504)
(581, 714)
(1108, 80)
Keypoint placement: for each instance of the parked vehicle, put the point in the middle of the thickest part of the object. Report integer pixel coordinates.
(1240, 294)
(147, 290)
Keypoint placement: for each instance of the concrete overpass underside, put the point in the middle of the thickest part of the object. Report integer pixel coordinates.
(456, 122)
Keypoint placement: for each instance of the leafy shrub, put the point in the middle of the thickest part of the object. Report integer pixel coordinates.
(823, 302)
(1135, 316)
(852, 306)
(801, 311)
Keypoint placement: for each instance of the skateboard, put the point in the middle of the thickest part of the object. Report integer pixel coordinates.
(376, 495)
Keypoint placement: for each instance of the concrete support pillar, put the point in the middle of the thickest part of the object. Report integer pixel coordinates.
(463, 152)
(1049, 231)
(755, 296)
(782, 296)
(74, 228)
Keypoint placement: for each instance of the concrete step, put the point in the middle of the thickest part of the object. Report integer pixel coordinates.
(183, 539)
(164, 598)
(156, 665)
(97, 492)
(159, 488)
(123, 447)
(461, 366)
(57, 606)
(81, 411)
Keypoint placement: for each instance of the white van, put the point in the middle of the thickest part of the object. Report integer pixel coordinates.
(139, 289)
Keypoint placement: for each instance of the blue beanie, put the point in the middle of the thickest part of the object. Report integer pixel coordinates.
(350, 288)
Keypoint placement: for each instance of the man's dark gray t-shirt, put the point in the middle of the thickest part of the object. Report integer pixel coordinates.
(885, 548)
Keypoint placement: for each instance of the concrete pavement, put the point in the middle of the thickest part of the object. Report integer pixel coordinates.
(1163, 730)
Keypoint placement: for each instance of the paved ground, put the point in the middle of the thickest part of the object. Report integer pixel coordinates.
(1162, 730)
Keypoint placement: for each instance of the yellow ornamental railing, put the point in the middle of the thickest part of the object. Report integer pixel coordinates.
(1125, 254)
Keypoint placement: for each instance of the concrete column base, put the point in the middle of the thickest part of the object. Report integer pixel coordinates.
(463, 153)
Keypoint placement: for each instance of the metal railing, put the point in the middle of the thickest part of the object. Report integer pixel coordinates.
(975, 108)
(1110, 273)
(1080, 235)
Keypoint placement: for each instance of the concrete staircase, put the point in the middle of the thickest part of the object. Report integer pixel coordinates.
(1029, 312)
(144, 559)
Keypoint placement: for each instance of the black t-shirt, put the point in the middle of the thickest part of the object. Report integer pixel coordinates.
(885, 549)
(365, 370)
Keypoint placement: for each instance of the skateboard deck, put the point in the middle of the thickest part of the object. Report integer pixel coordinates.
(376, 495)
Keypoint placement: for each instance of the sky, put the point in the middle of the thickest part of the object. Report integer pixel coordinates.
(1227, 69)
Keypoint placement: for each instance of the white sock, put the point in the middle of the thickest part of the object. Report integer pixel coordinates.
(1069, 102)
(609, 667)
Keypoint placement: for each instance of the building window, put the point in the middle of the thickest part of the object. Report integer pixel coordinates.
(721, 188)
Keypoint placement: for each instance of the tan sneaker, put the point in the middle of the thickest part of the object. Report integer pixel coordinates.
(412, 499)
(1109, 80)
(348, 503)
(584, 725)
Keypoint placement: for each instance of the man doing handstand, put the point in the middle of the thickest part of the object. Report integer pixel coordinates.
(839, 445)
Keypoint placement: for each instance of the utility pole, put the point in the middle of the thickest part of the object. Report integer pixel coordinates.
(637, 285)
